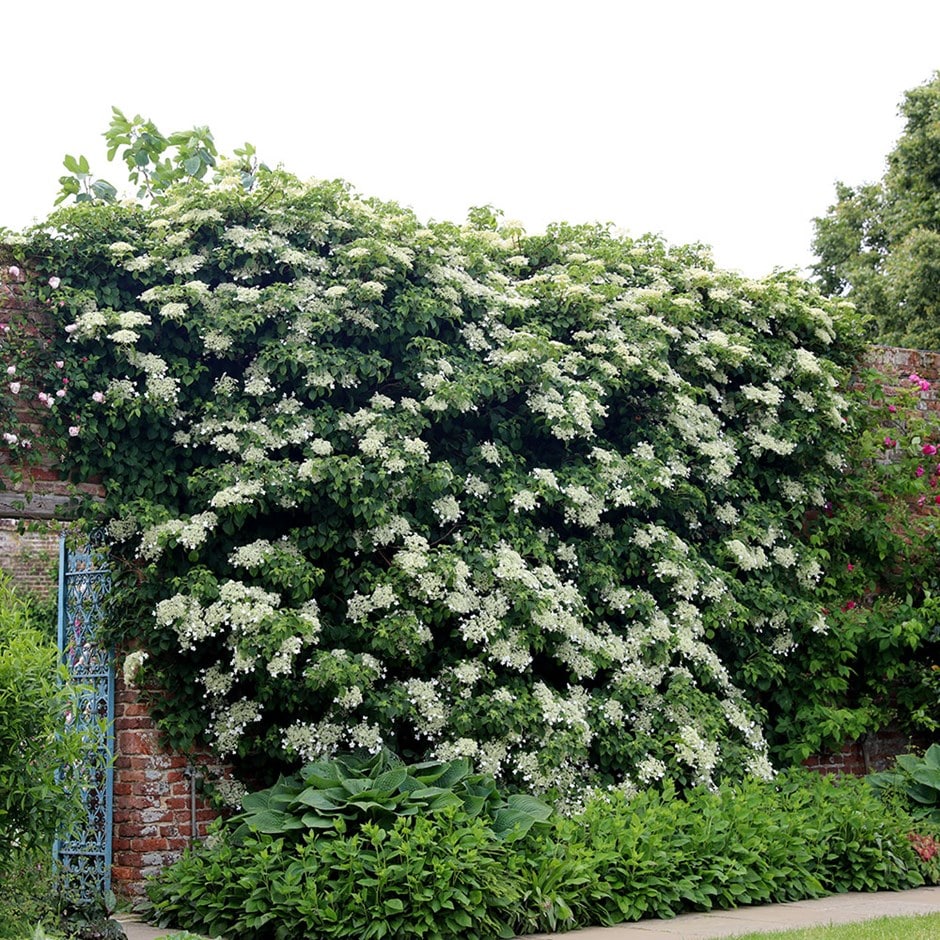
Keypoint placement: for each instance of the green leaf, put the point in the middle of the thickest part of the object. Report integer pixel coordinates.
(391, 780)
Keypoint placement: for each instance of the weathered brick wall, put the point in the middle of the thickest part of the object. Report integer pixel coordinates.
(154, 814)
(31, 557)
(871, 753)
(898, 364)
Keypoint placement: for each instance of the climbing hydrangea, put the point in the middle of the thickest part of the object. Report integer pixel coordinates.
(453, 489)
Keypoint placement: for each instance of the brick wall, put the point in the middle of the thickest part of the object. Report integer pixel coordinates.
(30, 557)
(871, 753)
(898, 364)
(153, 795)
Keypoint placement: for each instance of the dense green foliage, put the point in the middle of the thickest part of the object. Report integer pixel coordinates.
(915, 778)
(35, 745)
(878, 663)
(448, 875)
(879, 243)
(353, 790)
(533, 500)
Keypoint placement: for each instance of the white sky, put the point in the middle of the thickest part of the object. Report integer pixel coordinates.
(724, 122)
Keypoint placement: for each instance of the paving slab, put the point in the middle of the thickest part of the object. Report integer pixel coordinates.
(819, 912)
(137, 930)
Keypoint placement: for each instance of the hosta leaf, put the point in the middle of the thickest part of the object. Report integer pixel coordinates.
(391, 780)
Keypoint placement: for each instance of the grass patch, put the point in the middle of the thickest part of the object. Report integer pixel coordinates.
(914, 927)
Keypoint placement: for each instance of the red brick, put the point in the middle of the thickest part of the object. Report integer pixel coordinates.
(152, 844)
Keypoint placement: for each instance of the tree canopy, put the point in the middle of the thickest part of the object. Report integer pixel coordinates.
(879, 243)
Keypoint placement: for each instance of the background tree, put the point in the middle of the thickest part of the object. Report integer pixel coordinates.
(879, 244)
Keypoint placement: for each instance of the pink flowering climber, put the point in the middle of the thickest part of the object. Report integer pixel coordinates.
(928, 450)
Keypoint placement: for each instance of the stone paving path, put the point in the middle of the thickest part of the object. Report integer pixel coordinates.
(836, 909)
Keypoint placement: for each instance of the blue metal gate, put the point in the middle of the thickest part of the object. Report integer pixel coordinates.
(83, 856)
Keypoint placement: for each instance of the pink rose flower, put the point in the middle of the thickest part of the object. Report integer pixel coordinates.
(889, 442)
(60, 363)
(98, 397)
(15, 387)
(14, 271)
(11, 370)
(928, 450)
(74, 430)
(892, 409)
(60, 393)
(54, 282)
(71, 328)
(919, 472)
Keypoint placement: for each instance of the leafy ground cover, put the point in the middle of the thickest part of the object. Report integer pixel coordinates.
(450, 874)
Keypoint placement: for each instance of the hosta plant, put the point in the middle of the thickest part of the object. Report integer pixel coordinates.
(342, 794)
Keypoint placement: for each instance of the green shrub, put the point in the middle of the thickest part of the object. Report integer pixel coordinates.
(27, 895)
(449, 875)
(435, 876)
(35, 805)
(916, 780)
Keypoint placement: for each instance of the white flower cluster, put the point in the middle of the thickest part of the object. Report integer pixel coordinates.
(523, 498)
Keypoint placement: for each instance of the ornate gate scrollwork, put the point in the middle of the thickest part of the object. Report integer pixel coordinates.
(83, 856)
